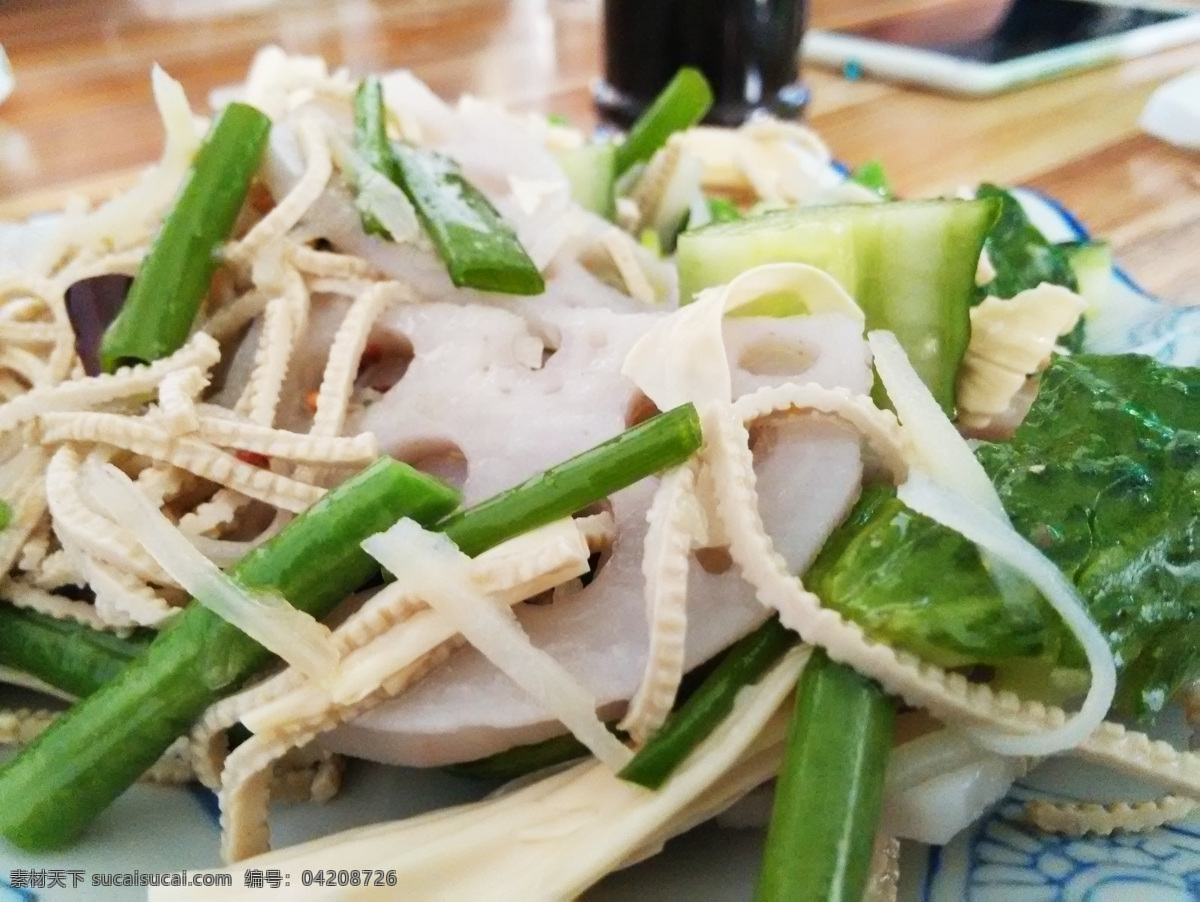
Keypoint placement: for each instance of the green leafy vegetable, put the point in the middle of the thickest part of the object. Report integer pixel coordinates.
(1104, 476)
(1021, 255)
(1023, 258)
(885, 568)
(5, 514)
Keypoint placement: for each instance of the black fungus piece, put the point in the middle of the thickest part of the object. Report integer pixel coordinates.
(91, 305)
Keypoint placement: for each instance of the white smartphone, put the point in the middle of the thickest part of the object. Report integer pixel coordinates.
(989, 46)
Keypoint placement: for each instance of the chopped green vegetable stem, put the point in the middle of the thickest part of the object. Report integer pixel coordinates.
(67, 655)
(687, 727)
(591, 170)
(830, 788)
(5, 514)
(680, 105)
(479, 248)
(523, 759)
(168, 290)
(57, 785)
(660, 442)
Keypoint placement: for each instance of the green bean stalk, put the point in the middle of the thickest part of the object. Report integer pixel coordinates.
(70, 773)
(830, 788)
(174, 279)
(56, 786)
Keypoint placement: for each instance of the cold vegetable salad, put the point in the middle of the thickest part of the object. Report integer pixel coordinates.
(368, 425)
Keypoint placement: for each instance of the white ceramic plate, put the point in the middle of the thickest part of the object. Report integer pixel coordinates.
(159, 830)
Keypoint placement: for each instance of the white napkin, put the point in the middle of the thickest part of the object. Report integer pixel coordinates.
(1173, 111)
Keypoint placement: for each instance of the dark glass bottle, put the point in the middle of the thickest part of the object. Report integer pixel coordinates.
(748, 50)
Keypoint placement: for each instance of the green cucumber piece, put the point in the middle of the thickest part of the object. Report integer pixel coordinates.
(591, 171)
(1092, 263)
(910, 265)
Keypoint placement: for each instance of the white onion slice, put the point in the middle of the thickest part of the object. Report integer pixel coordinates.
(377, 195)
(440, 575)
(941, 451)
(265, 617)
(955, 490)
(998, 539)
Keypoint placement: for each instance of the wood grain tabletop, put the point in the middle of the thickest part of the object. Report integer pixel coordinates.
(81, 118)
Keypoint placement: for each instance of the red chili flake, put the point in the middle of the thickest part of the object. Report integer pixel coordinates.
(310, 400)
(260, 197)
(254, 459)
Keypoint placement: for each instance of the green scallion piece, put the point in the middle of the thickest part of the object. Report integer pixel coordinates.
(168, 290)
(745, 663)
(680, 105)
(830, 788)
(5, 514)
(58, 784)
(660, 442)
(479, 248)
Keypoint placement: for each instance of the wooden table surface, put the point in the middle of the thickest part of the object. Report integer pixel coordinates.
(81, 117)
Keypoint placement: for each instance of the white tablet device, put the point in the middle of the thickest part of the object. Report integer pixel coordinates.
(988, 46)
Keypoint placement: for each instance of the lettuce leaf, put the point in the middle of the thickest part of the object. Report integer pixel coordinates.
(1023, 258)
(1104, 476)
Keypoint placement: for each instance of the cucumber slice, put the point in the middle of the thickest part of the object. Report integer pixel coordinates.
(1092, 263)
(910, 265)
(591, 170)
